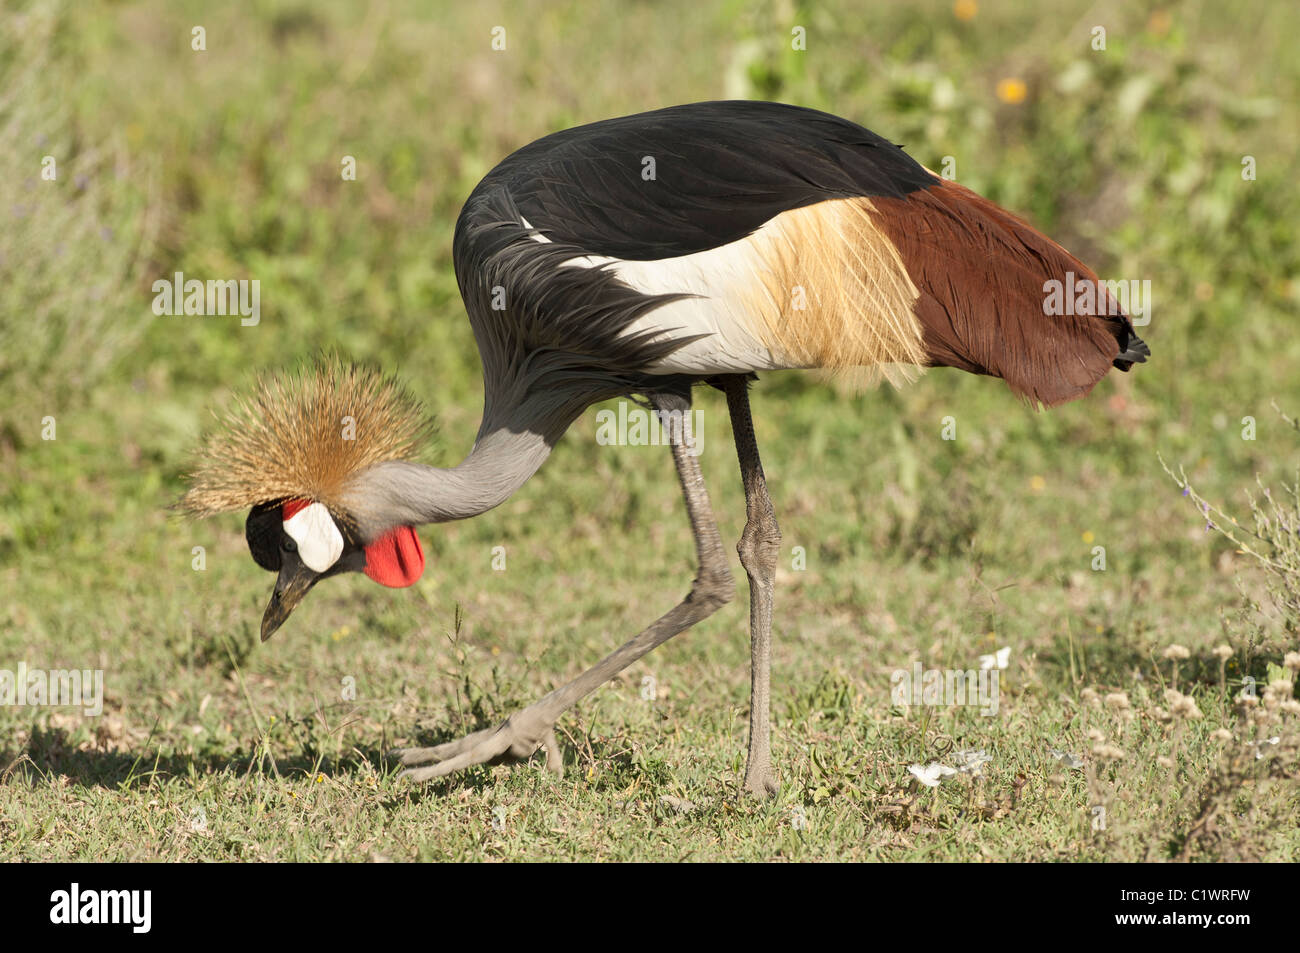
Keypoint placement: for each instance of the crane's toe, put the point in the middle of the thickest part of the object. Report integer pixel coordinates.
(440, 752)
(504, 744)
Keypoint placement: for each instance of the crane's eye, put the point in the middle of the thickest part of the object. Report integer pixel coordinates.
(288, 544)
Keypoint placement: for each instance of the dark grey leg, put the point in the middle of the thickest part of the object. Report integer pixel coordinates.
(759, 547)
(524, 732)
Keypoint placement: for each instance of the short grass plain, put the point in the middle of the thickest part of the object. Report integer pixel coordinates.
(899, 545)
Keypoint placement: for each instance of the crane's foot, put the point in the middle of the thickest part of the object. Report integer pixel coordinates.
(761, 782)
(516, 739)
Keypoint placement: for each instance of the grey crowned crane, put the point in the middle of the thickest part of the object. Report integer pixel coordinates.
(642, 256)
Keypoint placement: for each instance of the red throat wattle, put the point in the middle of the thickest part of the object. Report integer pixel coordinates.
(396, 558)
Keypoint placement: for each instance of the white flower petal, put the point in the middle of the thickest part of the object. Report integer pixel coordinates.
(932, 773)
(971, 761)
(1066, 758)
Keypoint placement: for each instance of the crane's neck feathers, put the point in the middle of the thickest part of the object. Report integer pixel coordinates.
(525, 414)
(404, 493)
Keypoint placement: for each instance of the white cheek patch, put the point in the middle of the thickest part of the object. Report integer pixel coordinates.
(320, 544)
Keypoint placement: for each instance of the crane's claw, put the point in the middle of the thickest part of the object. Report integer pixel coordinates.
(504, 744)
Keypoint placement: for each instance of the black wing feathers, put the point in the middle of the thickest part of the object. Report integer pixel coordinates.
(720, 170)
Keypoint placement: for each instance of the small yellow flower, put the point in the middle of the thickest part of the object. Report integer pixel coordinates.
(965, 9)
(1087, 536)
(1012, 90)
(1036, 483)
(1160, 22)
(320, 779)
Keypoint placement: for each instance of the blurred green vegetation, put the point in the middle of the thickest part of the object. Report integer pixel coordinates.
(225, 163)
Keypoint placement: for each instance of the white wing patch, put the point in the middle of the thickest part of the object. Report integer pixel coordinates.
(719, 276)
(320, 544)
(726, 280)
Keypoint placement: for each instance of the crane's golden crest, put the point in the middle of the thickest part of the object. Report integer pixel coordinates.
(303, 435)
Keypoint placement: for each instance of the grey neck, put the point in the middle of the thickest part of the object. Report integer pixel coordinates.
(520, 426)
(401, 493)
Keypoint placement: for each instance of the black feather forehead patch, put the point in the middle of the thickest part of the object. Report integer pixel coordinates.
(263, 529)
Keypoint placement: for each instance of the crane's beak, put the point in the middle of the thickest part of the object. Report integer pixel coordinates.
(294, 582)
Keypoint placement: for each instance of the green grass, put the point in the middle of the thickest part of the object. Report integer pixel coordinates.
(226, 164)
